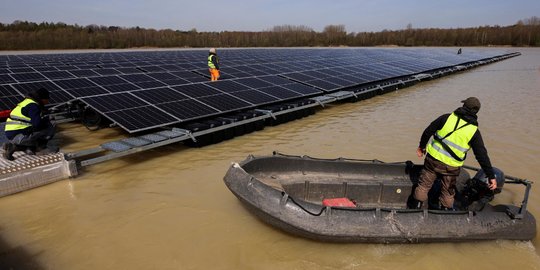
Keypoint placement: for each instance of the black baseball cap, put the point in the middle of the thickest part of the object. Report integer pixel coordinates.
(471, 103)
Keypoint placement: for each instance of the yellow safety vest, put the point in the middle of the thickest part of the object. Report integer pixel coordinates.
(17, 120)
(210, 63)
(451, 143)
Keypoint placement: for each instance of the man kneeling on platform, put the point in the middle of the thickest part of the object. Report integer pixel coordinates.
(27, 128)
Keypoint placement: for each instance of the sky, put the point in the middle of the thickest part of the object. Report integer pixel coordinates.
(259, 15)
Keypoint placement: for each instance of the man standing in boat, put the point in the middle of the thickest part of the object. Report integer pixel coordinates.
(453, 135)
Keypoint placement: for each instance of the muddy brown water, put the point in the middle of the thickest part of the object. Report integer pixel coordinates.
(169, 208)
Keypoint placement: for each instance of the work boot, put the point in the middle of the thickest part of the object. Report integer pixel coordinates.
(30, 151)
(413, 203)
(9, 149)
(444, 208)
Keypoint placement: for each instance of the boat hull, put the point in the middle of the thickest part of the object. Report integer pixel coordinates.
(301, 216)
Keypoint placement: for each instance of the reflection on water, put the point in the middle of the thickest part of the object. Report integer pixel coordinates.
(169, 209)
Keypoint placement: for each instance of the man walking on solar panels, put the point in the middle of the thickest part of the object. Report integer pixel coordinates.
(213, 64)
(27, 129)
(453, 135)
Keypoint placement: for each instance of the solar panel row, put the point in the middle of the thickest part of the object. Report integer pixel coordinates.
(144, 90)
(187, 102)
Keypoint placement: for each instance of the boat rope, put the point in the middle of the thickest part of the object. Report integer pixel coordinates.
(303, 208)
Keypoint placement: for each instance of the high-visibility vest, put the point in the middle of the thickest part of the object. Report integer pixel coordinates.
(451, 143)
(17, 120)
(210, 63)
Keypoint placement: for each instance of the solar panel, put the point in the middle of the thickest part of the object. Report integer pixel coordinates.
(87, 91)
(254, 82)
(114, 102)
(160, 95)
(196, 90)
(141, 118)
(84, 73)
(227, 86)
(302, 89)
(187, 109)
(74, 83)
(106, 71)
(275, 80)
(59, 74)
(107, 80)
(28, 77)
(279, 92)
(224, 102)
(255, 97)
(5, 78)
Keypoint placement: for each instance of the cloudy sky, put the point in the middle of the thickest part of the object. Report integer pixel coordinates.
(256, 15)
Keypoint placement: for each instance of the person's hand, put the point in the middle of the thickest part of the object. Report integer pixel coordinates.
(420, 152)
(492, 184)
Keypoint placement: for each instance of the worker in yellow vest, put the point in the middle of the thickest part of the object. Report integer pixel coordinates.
(453, 135)
(213, 65)
(27, 129)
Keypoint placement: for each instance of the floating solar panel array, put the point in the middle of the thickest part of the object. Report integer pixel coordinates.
(145, 90)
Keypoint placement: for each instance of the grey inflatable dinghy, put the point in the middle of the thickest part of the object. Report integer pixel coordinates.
(297, 194)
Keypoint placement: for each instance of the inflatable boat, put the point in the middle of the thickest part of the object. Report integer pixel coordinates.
(346, 200)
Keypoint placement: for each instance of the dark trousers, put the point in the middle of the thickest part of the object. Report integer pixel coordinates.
(432, 169)
(36, 139)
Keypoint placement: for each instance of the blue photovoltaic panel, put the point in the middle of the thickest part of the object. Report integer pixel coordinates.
(59, 74)
(75, 83)
(135, 78)
(275, 80)
(196, 90)
(176, 81)
(87, 91)
(84, 73)
(21, 70)
(224, 102)
(254, 82)
(323, 84)
(163, 76)
(123, 87)
(150, 84)
(9, 102)
(302, 89)
(255, 97)
(160, 95)
(279, 92)
(25, 88)
(128, 70)
(5, 78)
(107, 80)
(187, 109)
(299, 76)
(7, 90)
(141, 118)
(61, 96)
(114, 102)
(106, 71)
(227, 86)
(339, 81)
(28, 77)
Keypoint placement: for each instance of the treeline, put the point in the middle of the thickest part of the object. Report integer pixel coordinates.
(23, 35)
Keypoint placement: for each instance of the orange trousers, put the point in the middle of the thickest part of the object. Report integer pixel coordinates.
(214, 74)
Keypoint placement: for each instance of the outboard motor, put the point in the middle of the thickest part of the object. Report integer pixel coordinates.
(499, 175)
(476, 194)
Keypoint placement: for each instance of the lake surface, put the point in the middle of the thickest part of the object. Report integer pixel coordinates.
(168, 208)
